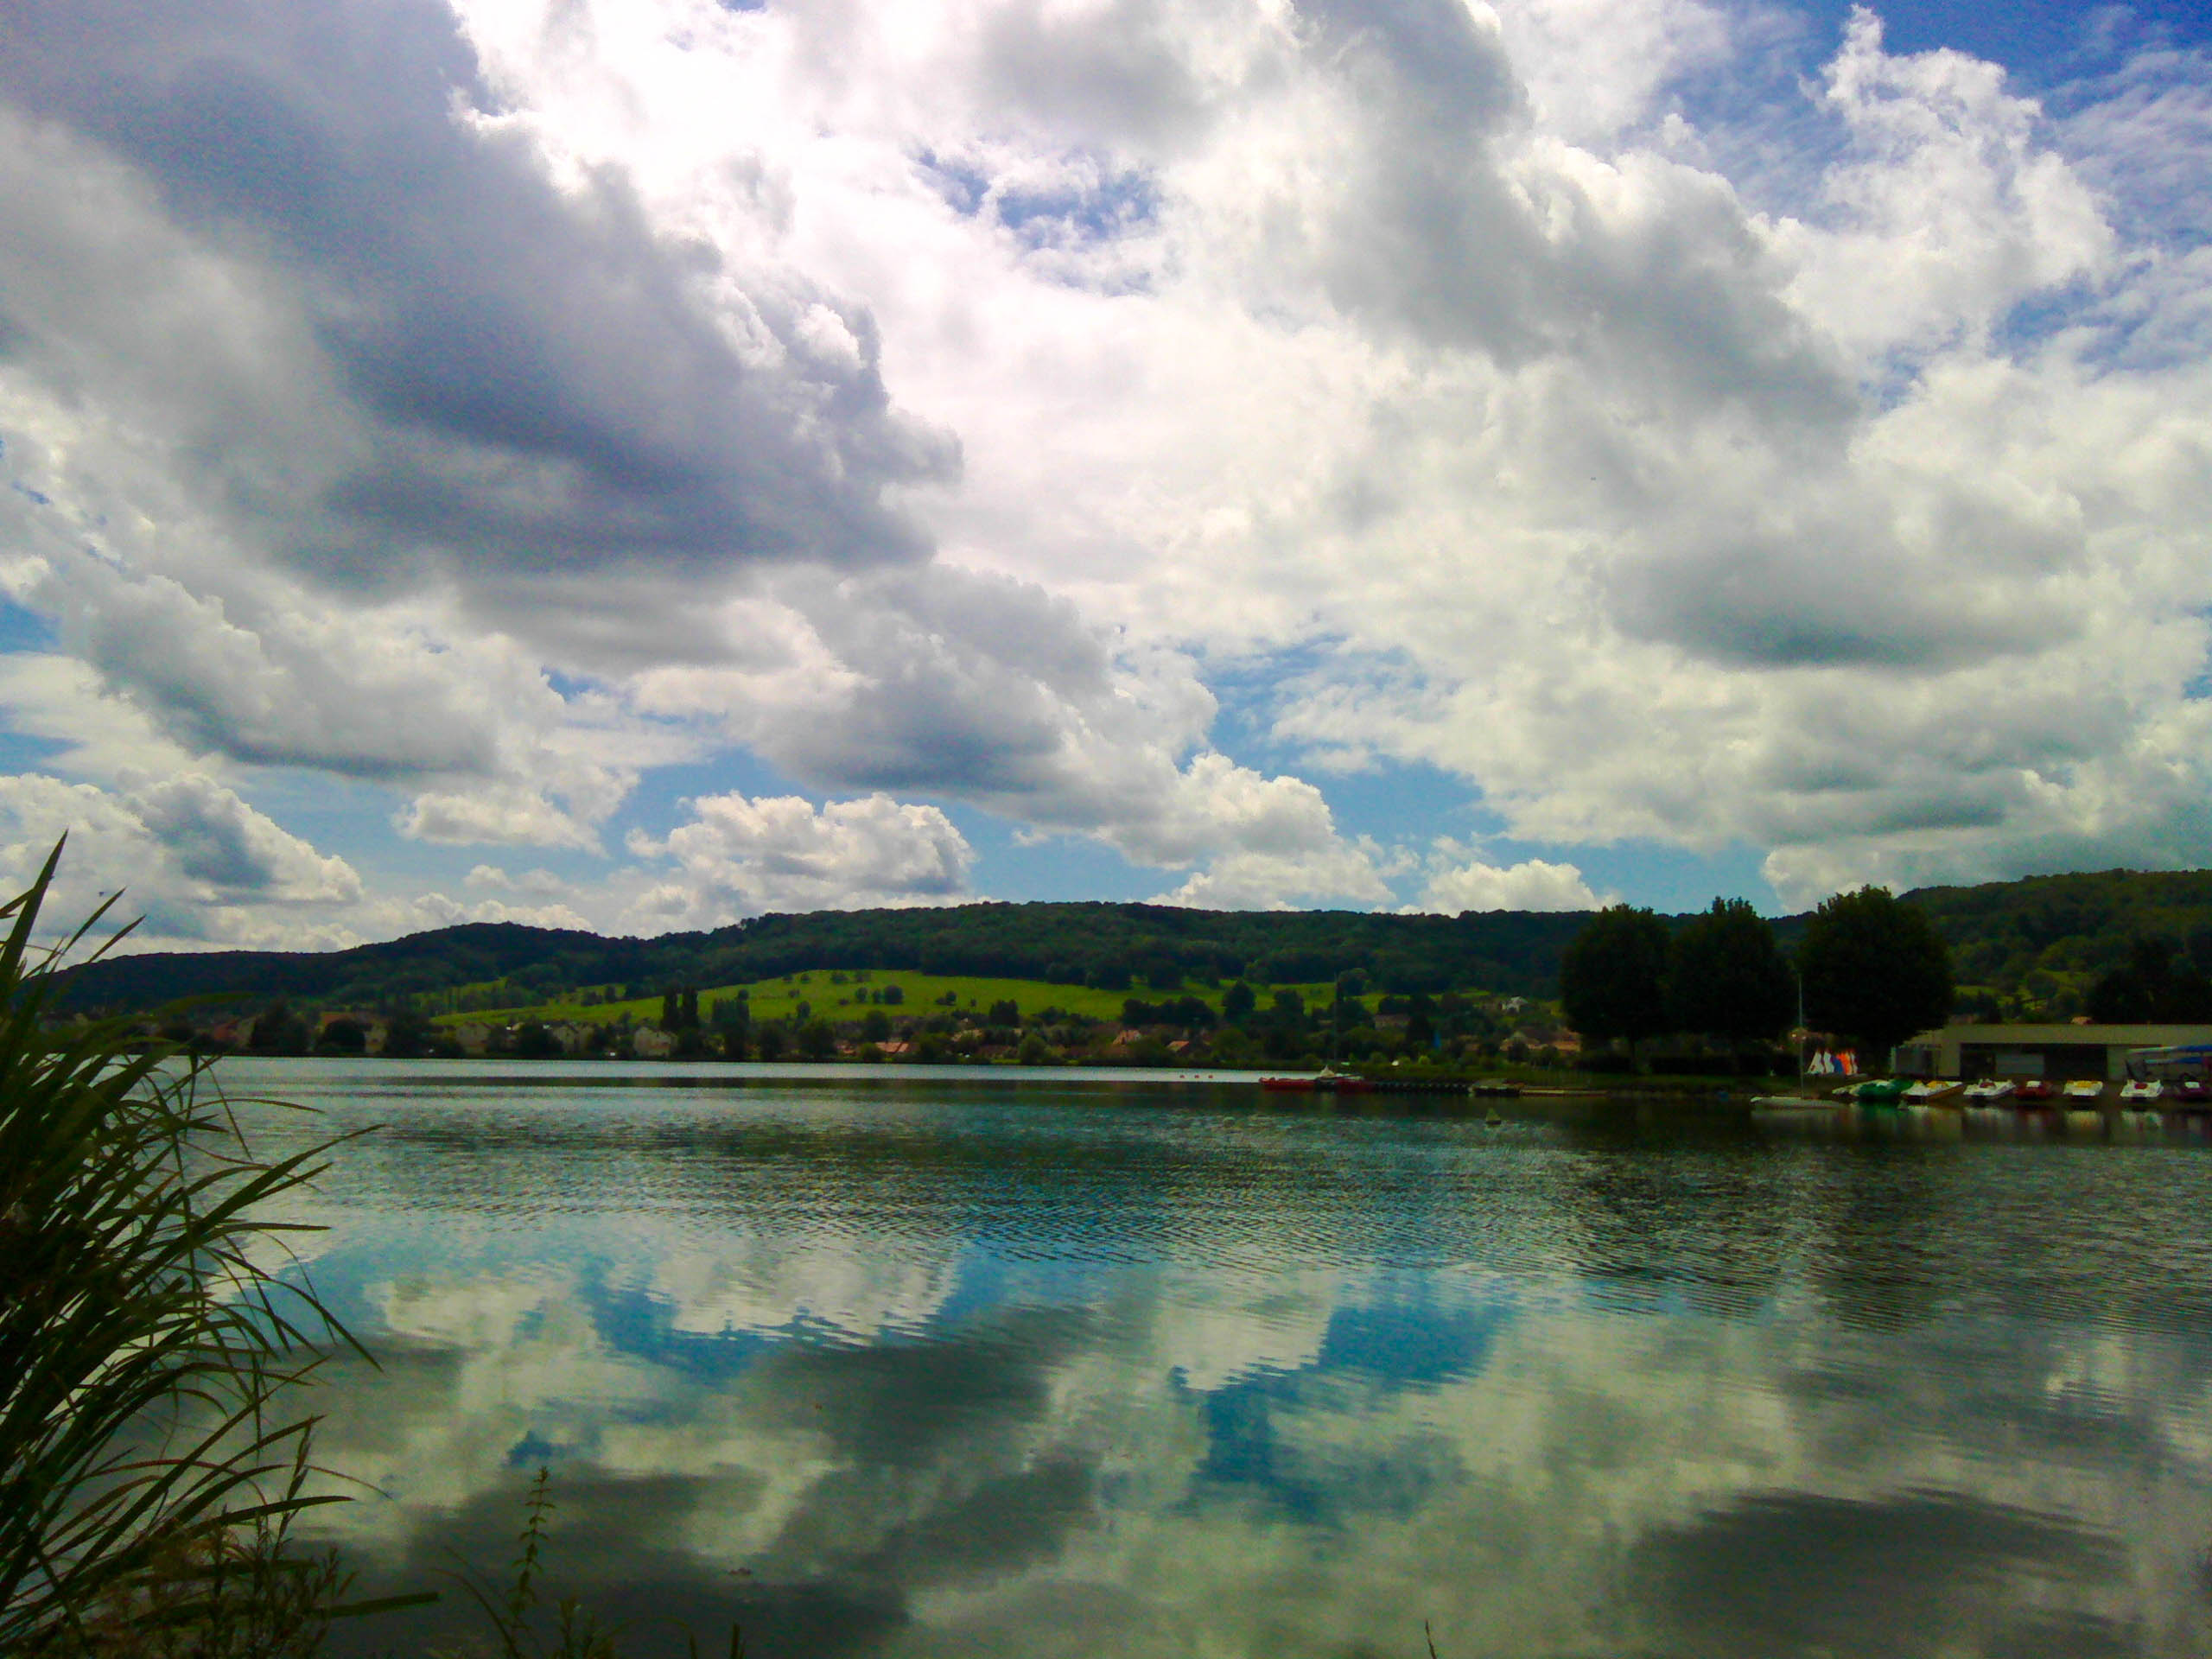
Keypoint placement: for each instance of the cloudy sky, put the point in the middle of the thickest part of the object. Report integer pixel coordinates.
(639, 463)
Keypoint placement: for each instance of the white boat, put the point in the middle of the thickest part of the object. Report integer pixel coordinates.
(2138, 1093)
(1796, 1108)
(2083, 1092)
(1988, 1091)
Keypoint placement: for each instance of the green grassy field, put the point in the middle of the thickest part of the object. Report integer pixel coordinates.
(838, 995)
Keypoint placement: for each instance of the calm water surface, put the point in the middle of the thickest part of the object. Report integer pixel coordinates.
(1054, 1368)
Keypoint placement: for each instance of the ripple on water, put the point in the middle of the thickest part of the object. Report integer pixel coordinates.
(1170, 1376)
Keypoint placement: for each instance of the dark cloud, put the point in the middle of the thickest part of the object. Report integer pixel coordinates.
(1112, 75)
(1004, 1521)
(1803, 1573)
(974, 685)
(210, 834)
(537, 377)
(1674, 299)
(613, 1543)
(950, 1467)
(1428, 57)
(1831, 595)
(356, 701)
(917, 1406)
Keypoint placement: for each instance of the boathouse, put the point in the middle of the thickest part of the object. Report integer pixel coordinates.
(2060, 1052)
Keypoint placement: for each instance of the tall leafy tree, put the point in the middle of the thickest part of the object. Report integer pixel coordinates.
(1727, 978)
(1237, 1003)
(1875, 968)
(1612, 977)
(816, 1040)
(279, 1031)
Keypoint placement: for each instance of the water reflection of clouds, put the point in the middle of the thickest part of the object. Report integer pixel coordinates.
(1520, 1414)
(1802, 1572)
(1209, 1332)
(756, 1283)
(1512, 1479)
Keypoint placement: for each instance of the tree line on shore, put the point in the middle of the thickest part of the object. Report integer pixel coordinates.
(1868, 972)
(1348, 1021)
(2121, 944)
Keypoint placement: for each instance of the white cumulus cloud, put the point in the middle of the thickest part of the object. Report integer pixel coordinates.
(739, 857)
(1533, 884)
(199, 865)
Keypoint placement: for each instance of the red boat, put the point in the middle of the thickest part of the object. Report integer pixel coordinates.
(1328, 1083)
(2034, 1091)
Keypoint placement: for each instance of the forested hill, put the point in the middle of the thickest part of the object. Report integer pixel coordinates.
(1110, 945)
(2041, 938)
(2019, 947)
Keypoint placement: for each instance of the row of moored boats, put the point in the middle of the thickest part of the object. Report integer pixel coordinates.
(2030, 1094)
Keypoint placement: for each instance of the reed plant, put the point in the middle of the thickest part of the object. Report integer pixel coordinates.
(573, 1631)
(151, 1458)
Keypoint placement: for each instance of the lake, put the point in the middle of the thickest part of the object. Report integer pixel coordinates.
(1076, 1366)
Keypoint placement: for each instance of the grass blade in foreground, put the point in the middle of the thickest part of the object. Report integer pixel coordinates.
(143, 1349)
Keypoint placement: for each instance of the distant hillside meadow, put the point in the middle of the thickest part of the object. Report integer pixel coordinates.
(1106, 947)
(2024, 949)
